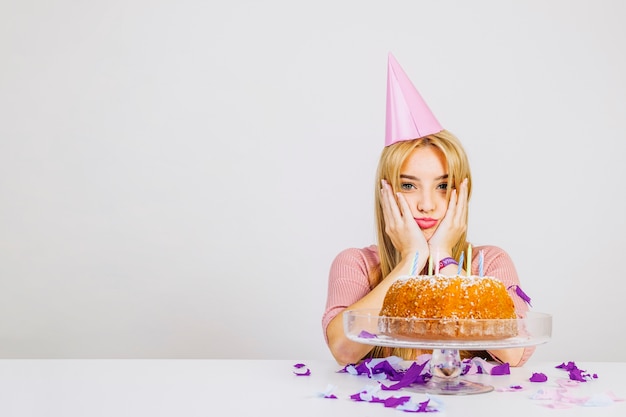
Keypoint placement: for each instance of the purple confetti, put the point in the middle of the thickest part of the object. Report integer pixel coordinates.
(521, 294)
(511, 388)
(538, 377)
(393, 402)
(424, 407)
(413, 375)
(575, 373)
(404, 403)
(386, 368)
(373, 368)
(302, 370)
(467, 367)
(356, 397)
(367, 335)
(477, 366)
(569, 366)
(503, 369)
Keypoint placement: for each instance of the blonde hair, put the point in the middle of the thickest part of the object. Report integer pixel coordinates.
(389, 165)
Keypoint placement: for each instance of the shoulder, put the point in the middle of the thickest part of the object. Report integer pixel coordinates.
(355, 262)
(490, 252)
(497, 262)
(365, 256)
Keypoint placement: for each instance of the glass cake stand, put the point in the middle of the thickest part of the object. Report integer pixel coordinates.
(366, 326)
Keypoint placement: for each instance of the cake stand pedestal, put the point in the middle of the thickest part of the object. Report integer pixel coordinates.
(366, 326)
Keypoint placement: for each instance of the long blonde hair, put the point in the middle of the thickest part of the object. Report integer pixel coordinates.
(389, 165)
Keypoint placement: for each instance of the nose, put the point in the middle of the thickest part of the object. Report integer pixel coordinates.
(426, 202)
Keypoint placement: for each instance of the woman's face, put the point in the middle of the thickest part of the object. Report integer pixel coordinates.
(424, 183)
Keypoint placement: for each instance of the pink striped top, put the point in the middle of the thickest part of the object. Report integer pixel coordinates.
(348, 280)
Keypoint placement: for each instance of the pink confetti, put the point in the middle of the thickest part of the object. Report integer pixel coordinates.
(557, 405)
(614, 397)
(566, 383)
(561, 397)
(538, 377)
(546, 394)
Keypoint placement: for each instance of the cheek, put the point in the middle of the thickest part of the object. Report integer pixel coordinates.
(442, 205)
(412, 201)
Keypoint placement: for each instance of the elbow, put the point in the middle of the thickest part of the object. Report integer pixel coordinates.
(514, 357)
(528, 352)
(344, 350)
(347, 353)
(345, 360)
(344, 356)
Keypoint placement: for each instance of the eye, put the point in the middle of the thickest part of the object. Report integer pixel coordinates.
(443, 186)
(407, 186)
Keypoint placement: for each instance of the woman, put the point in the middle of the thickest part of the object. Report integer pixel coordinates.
(423, 187)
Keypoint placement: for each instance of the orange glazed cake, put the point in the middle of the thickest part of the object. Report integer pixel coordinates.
(451, 308)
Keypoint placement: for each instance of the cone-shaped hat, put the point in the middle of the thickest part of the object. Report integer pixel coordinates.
(408, 116)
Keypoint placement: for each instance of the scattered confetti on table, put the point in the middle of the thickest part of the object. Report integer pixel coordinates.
(390, 375)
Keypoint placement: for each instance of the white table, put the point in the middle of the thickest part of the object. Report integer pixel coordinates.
(206, 388)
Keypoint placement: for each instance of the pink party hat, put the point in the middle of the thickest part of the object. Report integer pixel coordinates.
(408, 116)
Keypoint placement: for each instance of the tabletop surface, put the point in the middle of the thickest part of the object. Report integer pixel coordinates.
(190, 387)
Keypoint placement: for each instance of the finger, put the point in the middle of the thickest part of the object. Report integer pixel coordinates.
(452, 204)
(390, 208)
(391, 214)
(407, 215)
(449, 216)
(453, 207)
(462, 205)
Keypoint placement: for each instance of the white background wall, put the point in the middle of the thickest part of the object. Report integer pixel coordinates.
(176, 177)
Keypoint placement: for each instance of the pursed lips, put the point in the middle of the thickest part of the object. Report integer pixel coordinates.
(426, 223)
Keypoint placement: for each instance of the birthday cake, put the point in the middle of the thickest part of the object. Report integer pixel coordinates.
(442, 307)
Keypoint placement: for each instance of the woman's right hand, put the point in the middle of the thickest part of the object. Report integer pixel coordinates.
(401, 227)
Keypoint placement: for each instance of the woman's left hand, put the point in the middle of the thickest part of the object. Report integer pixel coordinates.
(453, 225)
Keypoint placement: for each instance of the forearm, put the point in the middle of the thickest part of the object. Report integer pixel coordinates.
(344, 350)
